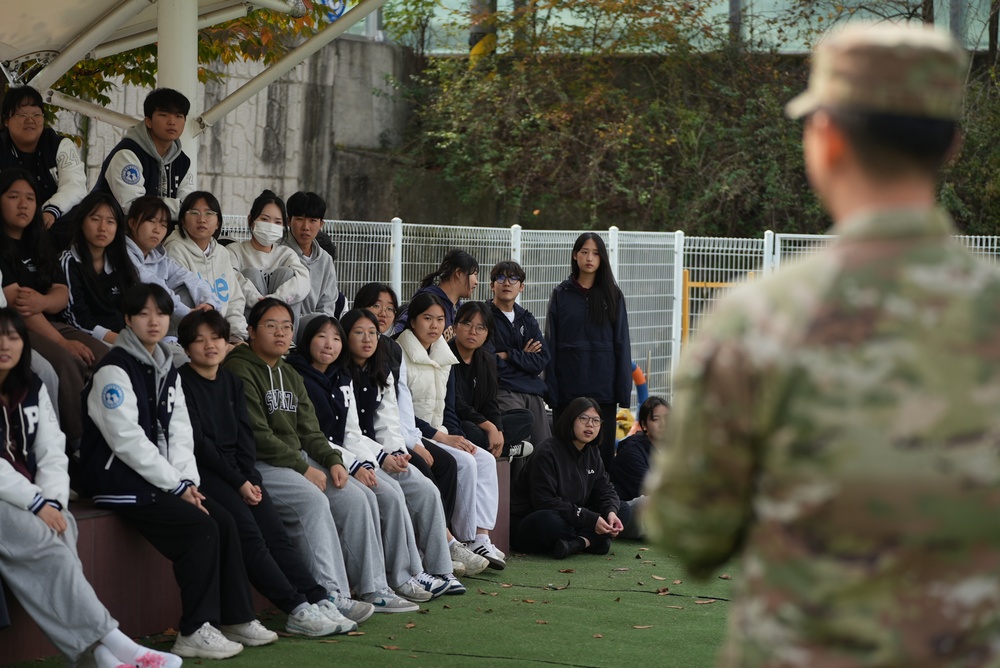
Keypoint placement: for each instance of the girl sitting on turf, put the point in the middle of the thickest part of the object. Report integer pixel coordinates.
(137, 457)
(38, 559)
(224, 448)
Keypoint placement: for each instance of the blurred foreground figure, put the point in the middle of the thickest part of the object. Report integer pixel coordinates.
(837, 425)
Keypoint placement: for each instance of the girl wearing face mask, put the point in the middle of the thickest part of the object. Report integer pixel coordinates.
(269, 268)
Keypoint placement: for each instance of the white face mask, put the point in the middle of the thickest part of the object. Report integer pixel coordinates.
(267, 234)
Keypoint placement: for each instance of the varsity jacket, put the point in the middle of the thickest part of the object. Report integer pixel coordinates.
(137, 441)
(571, 482)
(587, 360)
(135, 168)
(223, 440)
(521, 371)
(158, 268)
(378, 415)
(56, 166)
(33, 462)
(95, 313)
(432, 384)
(282, 417)
(214, 267)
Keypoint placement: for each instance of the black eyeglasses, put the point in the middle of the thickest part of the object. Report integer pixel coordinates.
(513, 280)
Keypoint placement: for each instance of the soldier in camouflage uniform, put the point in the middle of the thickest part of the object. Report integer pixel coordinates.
(837, 425)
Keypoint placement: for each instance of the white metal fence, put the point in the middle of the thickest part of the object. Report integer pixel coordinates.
(650, 268)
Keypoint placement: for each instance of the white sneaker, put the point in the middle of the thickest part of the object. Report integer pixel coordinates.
(385, 600)
(330, 611)
(310, 621)
(250, 634)
(522, 449)
(412, 590)
(454, 586)
(484, 548)
(205, 643)
(474, 564)
(458, 568)
(435, 584)
(356, 611)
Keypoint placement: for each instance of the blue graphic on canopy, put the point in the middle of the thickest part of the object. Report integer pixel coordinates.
(334, 9)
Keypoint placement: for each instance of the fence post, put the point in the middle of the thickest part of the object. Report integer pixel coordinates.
(768, 252)
(396, 256)
(515, 243)
(676, 316)
(613, 249)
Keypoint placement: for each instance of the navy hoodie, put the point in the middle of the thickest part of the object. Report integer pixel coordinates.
(521, 371)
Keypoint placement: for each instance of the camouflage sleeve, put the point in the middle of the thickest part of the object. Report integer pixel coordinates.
(702, 487)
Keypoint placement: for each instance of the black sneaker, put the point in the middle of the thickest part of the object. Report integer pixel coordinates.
(564, 548)
(522, 449)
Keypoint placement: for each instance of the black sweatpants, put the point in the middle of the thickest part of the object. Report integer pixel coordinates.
(273, 566)
(516, 426)
(205, 551)
(538, 531)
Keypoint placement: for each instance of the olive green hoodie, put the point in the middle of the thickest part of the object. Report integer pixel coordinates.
(281, 415)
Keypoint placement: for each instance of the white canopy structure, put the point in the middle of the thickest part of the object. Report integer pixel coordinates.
(40, 41)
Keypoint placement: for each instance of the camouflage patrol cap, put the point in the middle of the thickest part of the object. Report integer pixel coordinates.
(905, 70)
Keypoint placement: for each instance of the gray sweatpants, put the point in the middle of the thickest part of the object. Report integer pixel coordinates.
(388, 507)
(423, 501)
(44, 572)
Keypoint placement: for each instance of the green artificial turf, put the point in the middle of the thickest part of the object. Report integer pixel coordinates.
(532, 614)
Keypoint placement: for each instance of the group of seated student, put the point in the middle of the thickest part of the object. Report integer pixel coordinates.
(224, 403)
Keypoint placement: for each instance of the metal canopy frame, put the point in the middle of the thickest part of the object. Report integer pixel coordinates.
(175, 31)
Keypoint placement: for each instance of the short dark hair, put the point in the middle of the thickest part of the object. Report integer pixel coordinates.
(563, 429)
(307, 205)
(647, 408)
(507, 268)
(21, 96)
(265, 305)
(16, 384)
(469, 309)
(311, 329)
(187, 330)
(887, 144)
(420, 303)
(145, 208)
(190, 201)
(165, 99)
(135, 298)
(369, 293)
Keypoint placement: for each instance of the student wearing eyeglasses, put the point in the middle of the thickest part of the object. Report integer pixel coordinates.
(194, 245)
(47, 155)
(564, 502)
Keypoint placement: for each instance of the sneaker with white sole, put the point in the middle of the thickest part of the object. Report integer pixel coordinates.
(454, 586)
(485, 550)
(412, 590)
(310, 621)
(249, 634)
(436, 585)
(385, 600)
(356, 611)
(458, 569)
(515, 450)
(474, 564)
(205, 643)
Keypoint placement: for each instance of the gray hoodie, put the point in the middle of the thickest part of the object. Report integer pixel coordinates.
(158, 268)
(323, 289)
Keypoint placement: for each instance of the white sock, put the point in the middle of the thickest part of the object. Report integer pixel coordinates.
(453, 541)
(130, 653)
(120, 645)
(104, 658)
(483, 538)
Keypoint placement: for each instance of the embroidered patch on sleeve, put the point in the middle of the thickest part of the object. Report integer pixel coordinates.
(131, 174)
(112, 395)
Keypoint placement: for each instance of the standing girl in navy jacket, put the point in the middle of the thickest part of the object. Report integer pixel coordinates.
(586, 330)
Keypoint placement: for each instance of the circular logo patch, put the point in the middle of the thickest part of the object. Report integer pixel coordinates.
(131, 174)
(112, 395)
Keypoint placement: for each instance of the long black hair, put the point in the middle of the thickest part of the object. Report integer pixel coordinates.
(454, 260)
(484, 366)
(34, 238)
(377, 366)
(265, 198)
(192, 199)
(602, 298)
(18, 379)
(115, 255)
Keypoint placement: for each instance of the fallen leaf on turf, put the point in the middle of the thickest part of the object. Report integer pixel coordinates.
(619, 569)
(424, 611)
(557, 587)
(391, 638)
(330, 642)
(447, 607)
(641, 583)
(705, 602)
(411, 625)
(725, 576)
(355, 633)
(638, 556)
(675, 607)
(528, 600)
(662, 591)
(642, 627)
(284, 635)
(506, 586)
(677, 582)
(567, 570)
(618, 600)
(657, 577)
(541, 621)
(644, 549)
(392, 647)
(480, 591)
(598, 635)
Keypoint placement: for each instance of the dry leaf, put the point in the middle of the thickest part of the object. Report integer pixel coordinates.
(619, 569)
(285, 635)
(644, 549)
(677, 582)
(725, 576)
(528, 600)
(556, 587)
(410, 625)
(662, 591)
(657, 577)
(641, 583)
(424, 611)
(598, 635)
(638, 556)
(675, 607)
(391, 637)
(618, 600)
(642, 627)
(567, 570)
(541, 621)
(506, 586)
(711, 600)
(329, 642)
(355, 633)
(391, 647)
(447, 607)
(480, 591)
